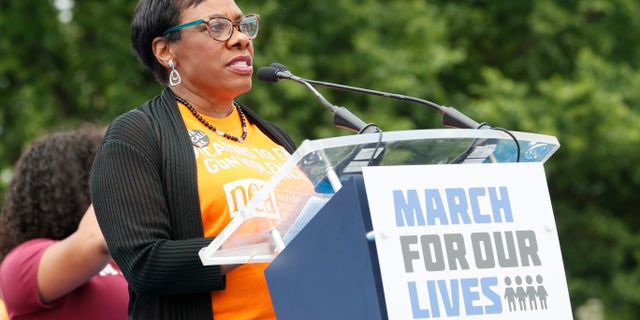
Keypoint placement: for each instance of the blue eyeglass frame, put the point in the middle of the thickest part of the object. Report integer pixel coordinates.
(234, 25)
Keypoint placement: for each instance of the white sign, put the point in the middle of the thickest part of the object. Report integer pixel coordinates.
(467, 241)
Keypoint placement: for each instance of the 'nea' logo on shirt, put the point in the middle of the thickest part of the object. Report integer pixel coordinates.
(240, 192)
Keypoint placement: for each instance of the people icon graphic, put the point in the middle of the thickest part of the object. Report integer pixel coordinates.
(510, 294)
(536, 294)
(541, 292)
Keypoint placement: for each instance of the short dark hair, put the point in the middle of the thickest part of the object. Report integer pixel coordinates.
(49, 191)
(150, 19)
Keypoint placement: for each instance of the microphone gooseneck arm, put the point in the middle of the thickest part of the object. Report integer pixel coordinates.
(450, 116)
(343, 118)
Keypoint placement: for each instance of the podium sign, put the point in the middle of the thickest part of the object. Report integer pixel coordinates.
(467, 241)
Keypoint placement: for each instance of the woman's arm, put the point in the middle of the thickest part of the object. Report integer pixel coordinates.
(68, 264)
(151, 219)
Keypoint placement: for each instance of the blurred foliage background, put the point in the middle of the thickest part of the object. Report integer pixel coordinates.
(566, 68)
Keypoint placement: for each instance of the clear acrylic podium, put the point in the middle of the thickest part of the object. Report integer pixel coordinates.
(310, 221)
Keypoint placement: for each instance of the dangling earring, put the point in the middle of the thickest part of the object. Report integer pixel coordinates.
(174, 76)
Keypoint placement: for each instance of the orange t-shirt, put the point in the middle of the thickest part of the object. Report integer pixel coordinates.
(229, 174)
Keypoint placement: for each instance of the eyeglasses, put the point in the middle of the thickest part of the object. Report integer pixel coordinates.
(221, 28)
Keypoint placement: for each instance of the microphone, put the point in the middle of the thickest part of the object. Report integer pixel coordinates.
(451, 116)
(276, 72)
(343, 118)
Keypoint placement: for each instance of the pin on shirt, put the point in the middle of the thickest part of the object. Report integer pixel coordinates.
(199, 138)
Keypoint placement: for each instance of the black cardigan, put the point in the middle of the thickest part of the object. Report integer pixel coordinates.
(144, 190)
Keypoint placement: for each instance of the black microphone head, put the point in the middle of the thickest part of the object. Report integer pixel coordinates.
(279, 67)
(268, 74)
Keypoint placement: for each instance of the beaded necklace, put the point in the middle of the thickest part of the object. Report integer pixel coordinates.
(243, 121)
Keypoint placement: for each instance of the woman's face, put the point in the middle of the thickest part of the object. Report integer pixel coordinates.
(213, 69)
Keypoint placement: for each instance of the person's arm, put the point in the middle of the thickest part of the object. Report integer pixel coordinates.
(154, 231)
(69, 263)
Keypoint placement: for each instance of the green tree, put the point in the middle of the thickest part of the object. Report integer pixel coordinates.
(564, 68)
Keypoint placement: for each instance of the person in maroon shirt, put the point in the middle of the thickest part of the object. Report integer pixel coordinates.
(55, 263)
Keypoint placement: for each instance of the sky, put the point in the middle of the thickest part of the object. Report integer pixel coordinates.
(65, 9)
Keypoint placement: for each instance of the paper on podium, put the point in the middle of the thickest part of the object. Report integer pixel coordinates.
(317, 169)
